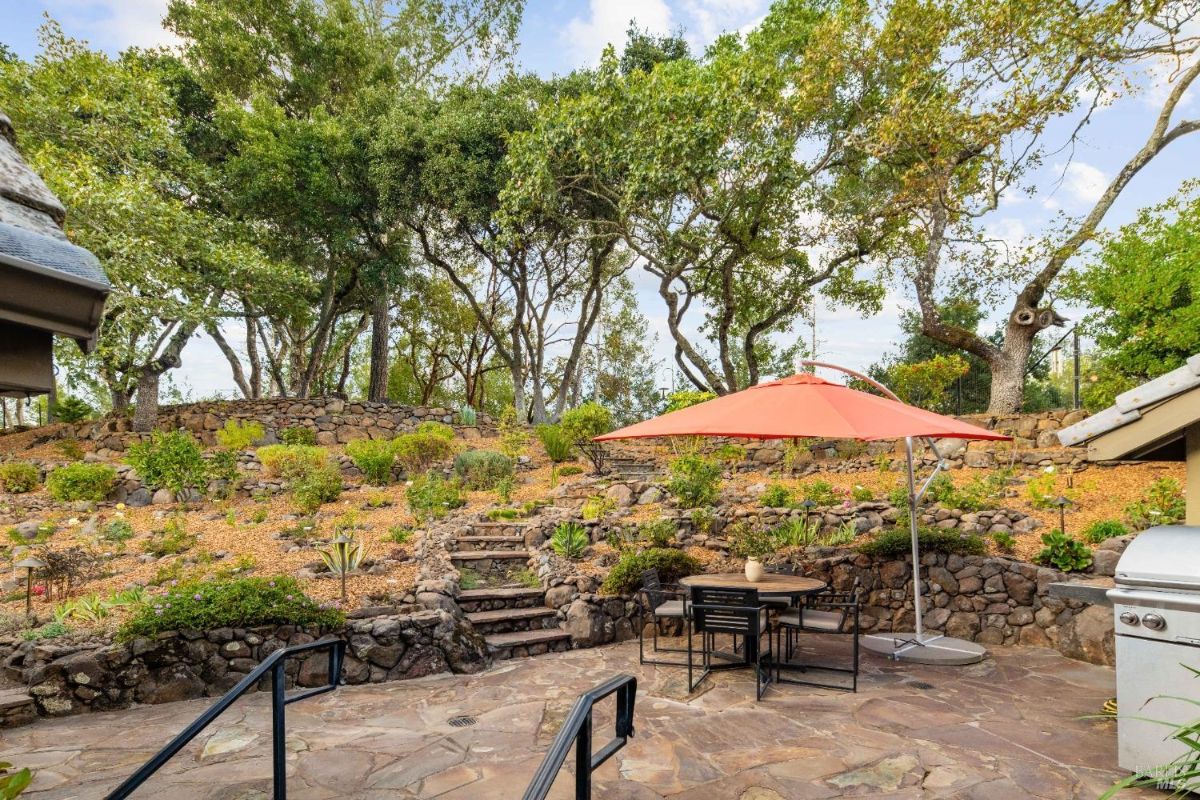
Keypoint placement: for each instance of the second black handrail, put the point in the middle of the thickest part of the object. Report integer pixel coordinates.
(577, 730)
(274, 663)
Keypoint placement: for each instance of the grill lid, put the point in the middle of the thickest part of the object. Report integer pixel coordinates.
(1167, 557)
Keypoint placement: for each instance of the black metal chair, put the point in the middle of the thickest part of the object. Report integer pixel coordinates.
(734, 612)
(778, 602)
(659, 601)
(828, 612)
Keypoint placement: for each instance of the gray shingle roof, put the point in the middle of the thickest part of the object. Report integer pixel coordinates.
(1129, 405)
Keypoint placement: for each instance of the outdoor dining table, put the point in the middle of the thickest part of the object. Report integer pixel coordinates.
(770, 584)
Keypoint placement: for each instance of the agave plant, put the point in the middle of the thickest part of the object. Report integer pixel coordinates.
(344, 556)
(570, 540)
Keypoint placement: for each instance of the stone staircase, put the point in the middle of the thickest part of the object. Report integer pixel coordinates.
(631, 467)
(512, 618)
(16, 707)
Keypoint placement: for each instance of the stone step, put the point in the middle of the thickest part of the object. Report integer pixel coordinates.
(495, 599)
(520, 644)
(16, 707)
(489, 555)
(485, 543)
(499, 524)
(508, 620)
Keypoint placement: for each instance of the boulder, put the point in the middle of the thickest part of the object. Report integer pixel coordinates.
(558, 596)
(620, 494)
(1088, 636)
(162, 497)
(585, 623)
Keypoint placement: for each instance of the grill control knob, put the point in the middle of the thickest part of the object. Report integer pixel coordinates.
(1129, 618)
(1154, 622)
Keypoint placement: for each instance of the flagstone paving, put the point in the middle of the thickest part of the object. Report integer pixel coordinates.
(1015, 725)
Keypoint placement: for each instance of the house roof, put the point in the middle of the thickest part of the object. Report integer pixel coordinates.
(1154, 415)
(31, 217)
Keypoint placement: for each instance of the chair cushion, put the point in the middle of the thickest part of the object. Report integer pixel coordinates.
(671, 608)
(813, 620)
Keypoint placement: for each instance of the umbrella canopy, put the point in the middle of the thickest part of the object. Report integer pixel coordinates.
(803, 405)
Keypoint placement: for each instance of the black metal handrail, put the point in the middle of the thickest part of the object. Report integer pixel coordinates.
(577, 730)
(274, 664)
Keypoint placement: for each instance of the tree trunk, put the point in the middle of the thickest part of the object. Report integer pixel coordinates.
(145, 415)
(377, 388)
(1009, 367)
(252, 357)
(120, 400)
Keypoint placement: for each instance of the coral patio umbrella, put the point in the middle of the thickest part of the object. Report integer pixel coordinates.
(805, 405)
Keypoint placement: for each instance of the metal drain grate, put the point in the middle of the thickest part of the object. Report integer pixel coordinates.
(462, 722)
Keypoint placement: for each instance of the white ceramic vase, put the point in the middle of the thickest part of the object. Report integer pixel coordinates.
(754, 570)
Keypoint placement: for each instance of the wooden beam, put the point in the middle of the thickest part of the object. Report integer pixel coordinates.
(1157, 426)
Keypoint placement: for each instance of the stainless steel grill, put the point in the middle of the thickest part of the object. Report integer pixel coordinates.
(1156, 603)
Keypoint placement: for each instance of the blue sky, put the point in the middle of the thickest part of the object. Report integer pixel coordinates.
(559, 35)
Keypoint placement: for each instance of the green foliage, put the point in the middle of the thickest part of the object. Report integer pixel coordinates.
(626, 575)
(223, 466)
(240, 603)
(19, 477)
(695, 481)
(1162, 504)
(861, 494)
(1103, 529)
(344, 560)
(596, 506)
(657, 533)
(483, 469)
(822, 493)
(557, 443)
(240, 435)
(435, 428)
(69, 448)
(468, 578)
(976, 495)
(504, 488)
(298, 435)
(172, 540)
(289, 461)
(745, 541)
(431, 495)
(399, 534)
(844, 535)
(417, 452)
(81, 481)
(1144, 288)
(173, 460)
(51, 630)
(730, 453)
(375, 458)
(468, 416)
(570, 469)
(897, 543)
(1041, 492)
(72, 409)
(119, 530)
(586, 421)
(315, 487)
(528, 578)
(776, 496)
(703, 519)
(686, 398)
(513, 437)
(796, 532)
(1064, 553)
(926, 383)
(1004, 541)
(570, 540)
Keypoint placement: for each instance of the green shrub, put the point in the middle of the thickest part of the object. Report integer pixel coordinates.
(69, 448)
(570, 469)
(570, 540)
(730, 453)
(299, 435)
(504, 488)
(430, 495)
(797, 532)
(172, 460)
(976, 495)
(659, 533)
(172, 540)
(72, 409)
(483, 469)
(468, 416)
(897, 543)
(81, 481)
(695, 480)
(239, 436)
(1004, 541)
(861, 494)
(686, 398)
(1064, 553)
(435, 428)
(1040, 490)
(703, 519)
(776, 496)
(557, 443)
(586, 421)
(821, 493)
(1103, 529)
(375, 458)
(1162, 504)
(239, 603)
(417, 452)
(398, 534)
(51, 630)
(316, 487)
(512, 436)
(18, 477)
(118, 530)
(747, 542)
(596, 507)
(289, 461)
(626, 575)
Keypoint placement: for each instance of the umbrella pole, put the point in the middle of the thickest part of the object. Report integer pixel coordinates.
(912, 527)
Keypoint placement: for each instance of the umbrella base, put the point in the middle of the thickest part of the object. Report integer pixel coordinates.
(936, 649)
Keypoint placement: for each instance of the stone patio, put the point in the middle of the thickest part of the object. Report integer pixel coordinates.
(1012, 726)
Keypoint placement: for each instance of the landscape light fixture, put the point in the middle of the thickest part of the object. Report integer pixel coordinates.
(1061, 502)
(29, 565)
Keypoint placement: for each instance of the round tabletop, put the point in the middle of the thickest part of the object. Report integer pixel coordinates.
(770, 583)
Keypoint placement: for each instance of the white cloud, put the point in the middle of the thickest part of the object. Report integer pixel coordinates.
(1083, 182)
(607, 23)
(708, 19)
(115, 24)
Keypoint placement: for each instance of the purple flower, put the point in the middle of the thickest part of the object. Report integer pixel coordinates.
(196, 596)
(287, 597)
(158, 612)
